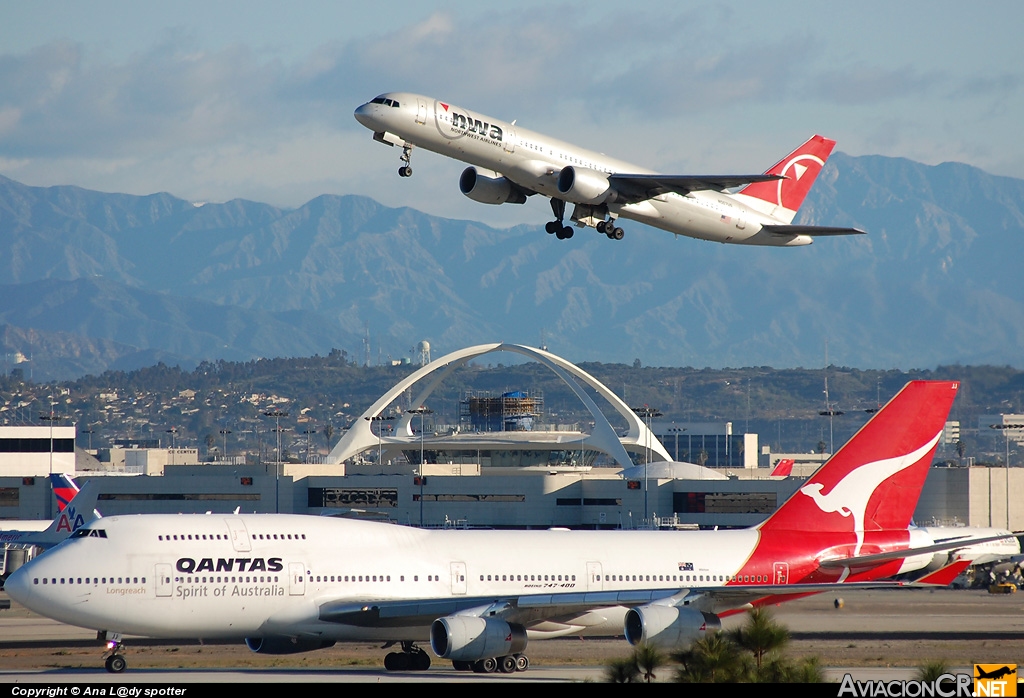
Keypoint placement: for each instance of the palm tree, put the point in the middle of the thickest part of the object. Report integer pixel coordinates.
(647, 658)
(712, 659)
(622, 670)
(760, 635)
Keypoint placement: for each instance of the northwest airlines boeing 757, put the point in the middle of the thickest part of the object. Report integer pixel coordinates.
(292, 583)
(509, 164)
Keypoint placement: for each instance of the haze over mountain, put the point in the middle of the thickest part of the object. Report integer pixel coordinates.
(94, 280)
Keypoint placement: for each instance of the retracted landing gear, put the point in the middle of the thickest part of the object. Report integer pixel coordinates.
(557, 227)
(114, 660)
(406, 157)
(411, 658)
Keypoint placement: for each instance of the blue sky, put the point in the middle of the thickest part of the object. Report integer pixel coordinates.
(218, 100)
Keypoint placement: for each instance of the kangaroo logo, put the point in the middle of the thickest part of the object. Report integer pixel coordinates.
(850, 495)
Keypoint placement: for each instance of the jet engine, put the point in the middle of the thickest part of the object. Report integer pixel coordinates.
(469, 638)
(486, 187)
(581, 185)
(284, 644)
(668, 626)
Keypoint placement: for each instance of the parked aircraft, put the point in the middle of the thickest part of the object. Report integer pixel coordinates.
(75, 508)
(509, 163)
(292, 583)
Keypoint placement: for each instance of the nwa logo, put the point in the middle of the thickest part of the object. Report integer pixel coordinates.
(69, 521)
(231, 564)
(467, 125)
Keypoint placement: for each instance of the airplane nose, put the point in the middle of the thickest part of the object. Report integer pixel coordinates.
(18, 586)
(363, 115)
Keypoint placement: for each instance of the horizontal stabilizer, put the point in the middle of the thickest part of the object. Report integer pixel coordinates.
(879, 558)
(944, 576)
(814, 230)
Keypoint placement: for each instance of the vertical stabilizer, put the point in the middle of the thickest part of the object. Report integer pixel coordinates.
(782, 198)
(874, 481)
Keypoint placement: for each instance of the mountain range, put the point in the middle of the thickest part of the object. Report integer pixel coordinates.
(91, 280)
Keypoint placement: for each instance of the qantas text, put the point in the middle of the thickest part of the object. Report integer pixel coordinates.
(231, 564)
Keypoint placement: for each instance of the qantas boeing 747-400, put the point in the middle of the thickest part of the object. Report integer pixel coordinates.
(509, 163)
(293, 583)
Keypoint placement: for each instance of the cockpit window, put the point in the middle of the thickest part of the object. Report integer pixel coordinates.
(89, 533)
(385, 101)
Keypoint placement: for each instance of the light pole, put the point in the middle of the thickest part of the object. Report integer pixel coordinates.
(421, 411)
(276, 414)
(676, 431)
(380, 428)
(1005, 428)
(646, 412)
(50, 418)
(309, 441)
(172, 431)
(224, 433)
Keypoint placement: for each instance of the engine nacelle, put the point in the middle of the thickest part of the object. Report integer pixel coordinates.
(283, 644)
(668, 626)
(581, 185)
(469, 638)
(486, 187)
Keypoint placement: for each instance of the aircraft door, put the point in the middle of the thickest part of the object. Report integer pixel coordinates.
(163, 580)
(239, 535)
(421, 111)
(459, 578)
(595, 582)
(781, 570)
(510, 140)
(296, 579)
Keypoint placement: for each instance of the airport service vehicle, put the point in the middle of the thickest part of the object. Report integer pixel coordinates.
(508, 164)
(293, 583)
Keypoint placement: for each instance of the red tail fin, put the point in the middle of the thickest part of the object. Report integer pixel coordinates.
(874, 481)
(784, 468)
(800, 168)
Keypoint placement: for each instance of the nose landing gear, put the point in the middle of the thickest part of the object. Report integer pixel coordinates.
(114, 660)
(406, 157)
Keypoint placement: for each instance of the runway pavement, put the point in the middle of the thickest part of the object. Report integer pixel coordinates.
(874, 635)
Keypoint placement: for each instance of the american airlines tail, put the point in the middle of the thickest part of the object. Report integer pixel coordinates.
(77, 507)
(782, 198)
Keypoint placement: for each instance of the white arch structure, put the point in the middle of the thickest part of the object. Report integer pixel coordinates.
(360, 436)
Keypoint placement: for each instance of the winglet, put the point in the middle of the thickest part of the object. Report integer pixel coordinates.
(784, 468)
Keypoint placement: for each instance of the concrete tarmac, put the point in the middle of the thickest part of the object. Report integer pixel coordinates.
(873, 635)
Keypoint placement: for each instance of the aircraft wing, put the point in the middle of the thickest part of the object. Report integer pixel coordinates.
(639, 187)
(950, 544)
(531, 609)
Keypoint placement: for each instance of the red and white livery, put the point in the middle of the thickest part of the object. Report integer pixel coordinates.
(291, 583)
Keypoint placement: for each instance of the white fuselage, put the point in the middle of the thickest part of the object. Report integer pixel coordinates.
(533, 161)
(240, 576)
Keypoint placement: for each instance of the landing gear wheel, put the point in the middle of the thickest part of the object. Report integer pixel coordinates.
(396, 661)
(405, 171)
(116, 664)
(420, 661)
(485, 666)
(507, 664)
(602, 227)
(522, 662)
(460, 665)
(552, 227)
(618, 234)
(567, 232)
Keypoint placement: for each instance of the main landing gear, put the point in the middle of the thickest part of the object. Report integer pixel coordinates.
(608, 228)
(114, 660)
(406, 157)
(556, 227)
(506, 665)
(411, 658)
(564, 232)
